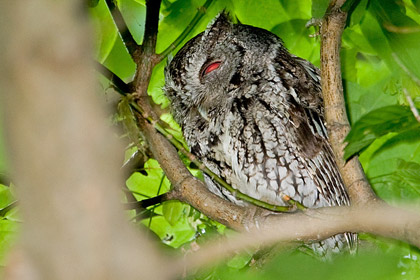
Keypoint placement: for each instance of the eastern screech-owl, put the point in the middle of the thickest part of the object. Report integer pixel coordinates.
(253, 113)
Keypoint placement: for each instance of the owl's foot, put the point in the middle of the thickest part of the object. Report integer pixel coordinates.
(317, 23)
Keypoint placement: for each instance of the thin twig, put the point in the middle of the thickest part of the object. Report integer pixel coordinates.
(401, 29)
(405, 69)
(119, 85)
(412, 105)
(200, 13)
(122, 27)
(142, 204)
(9, 207)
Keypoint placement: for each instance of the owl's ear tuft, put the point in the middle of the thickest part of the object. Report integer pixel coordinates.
(220, 23)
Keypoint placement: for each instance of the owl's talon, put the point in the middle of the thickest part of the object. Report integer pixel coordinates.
(317, 23)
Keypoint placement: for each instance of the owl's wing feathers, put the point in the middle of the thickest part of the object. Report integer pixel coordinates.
(307, 123)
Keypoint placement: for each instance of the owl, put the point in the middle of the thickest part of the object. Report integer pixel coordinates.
(253, 114)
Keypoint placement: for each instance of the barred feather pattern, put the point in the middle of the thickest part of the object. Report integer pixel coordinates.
(253, 113)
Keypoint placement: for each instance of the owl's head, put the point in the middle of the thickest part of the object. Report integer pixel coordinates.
(217, 65)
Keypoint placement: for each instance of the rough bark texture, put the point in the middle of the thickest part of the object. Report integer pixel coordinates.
(335, 111)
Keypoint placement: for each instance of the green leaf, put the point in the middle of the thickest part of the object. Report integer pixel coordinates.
(92, 3)
(150, 185)
(134, 14)
(368, 266)
(377, 123)
(297, 39)
(126, 117)
(120, 62)
(157, 81)
(172, 235)
(358, 13)
(105, 30)
(173, 211)
(319, 7)
(240, 260)
(265, 14)
(384, 162)
(8, 236)
(417, 4)
(6, 196)
(405, 45)
(410, 173)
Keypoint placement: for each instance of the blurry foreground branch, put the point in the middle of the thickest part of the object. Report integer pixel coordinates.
(65, 164)
(65, 158)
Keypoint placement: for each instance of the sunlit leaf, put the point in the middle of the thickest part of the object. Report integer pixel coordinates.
(174, 236)
(150, 185)
(134, 14)
(173, 211)
(106, 32)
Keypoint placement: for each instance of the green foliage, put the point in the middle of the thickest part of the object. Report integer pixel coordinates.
(377, 123)
(9, 222)
(380, 59)
(297, 265)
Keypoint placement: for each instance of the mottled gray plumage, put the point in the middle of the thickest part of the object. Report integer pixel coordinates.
(253, 113)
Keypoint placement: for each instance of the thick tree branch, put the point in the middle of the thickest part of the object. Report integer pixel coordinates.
(335, 111)
(313, 225)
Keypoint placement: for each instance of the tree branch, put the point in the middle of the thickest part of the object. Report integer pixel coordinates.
(146, 59)
(122, 27)
(151, 26)
(335, 111)
(119, 84)
(411, 104)
(312, 225)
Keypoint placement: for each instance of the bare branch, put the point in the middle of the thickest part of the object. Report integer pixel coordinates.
(335, 111)
(313, 225)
